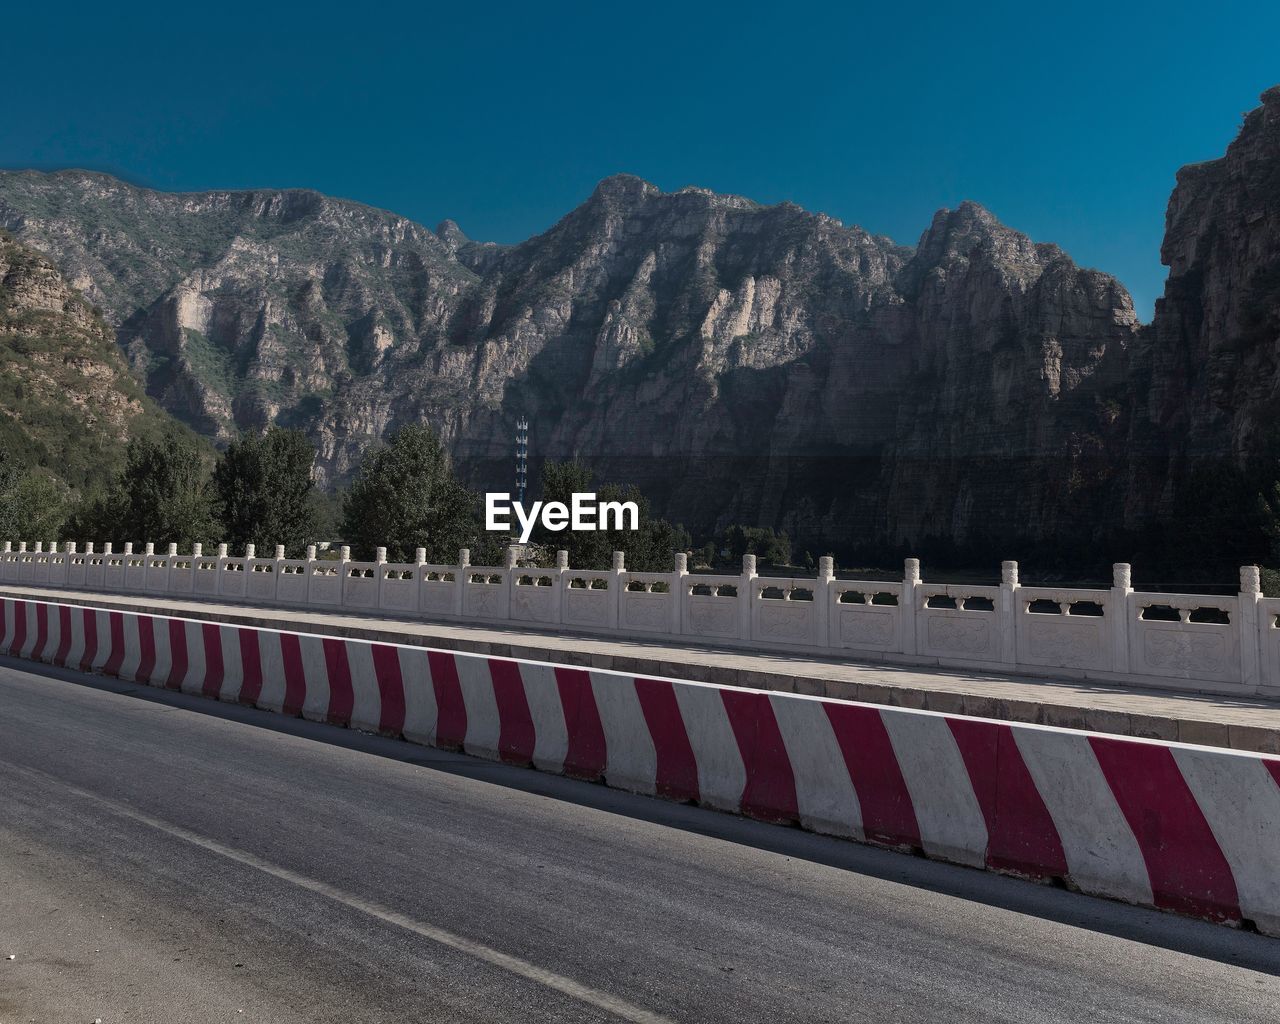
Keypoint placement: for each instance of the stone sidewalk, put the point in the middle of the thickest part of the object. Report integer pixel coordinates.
(1242, 723)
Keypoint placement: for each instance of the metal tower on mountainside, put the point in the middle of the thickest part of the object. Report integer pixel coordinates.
(522, 455)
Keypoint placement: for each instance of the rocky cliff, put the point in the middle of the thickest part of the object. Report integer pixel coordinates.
(67, 400)
(1202, 382)
(743, 363)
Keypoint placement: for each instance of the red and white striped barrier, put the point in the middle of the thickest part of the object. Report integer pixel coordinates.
(1193, 830)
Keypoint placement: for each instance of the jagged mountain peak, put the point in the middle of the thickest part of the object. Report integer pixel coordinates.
(624, 188)
(448, 231)
(972, 227)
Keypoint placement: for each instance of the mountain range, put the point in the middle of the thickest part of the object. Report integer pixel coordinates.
(742, 363)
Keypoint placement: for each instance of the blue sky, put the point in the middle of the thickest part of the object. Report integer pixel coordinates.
(1067, 120)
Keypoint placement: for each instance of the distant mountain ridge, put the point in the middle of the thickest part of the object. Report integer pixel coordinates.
(742, 363)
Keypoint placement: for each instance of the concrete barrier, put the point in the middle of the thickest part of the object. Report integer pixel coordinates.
(1192, 830)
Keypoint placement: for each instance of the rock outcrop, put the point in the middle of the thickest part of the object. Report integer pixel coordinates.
(68, 403)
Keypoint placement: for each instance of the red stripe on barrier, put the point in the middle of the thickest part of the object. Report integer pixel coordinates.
(451, 712)
(386, 669)
(1188, 871)
(42, 632)
(888, 816)
(586, 753)
(342, 695)
(19, 627)
(677, 774)
(64, 635)
(515, 721)
(214, 670)
(1022, 837)
(177, 654)
(146, 648)
(295, 678)
(251, 660)
(4, 624)
(115, 652)
(90, 623)
(1274, 768)
(770, 792)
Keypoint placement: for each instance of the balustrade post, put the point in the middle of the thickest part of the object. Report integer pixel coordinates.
(419, 577)
(277, 568)
(910, 603)
(822, 591)
(310, 570)
(615, 585)
(510, 556)
(460, 580)
(379, 574)
(1121, 625)
(222, 568)
(344, 569)
(197, 552)
(1251, 638)
(746, 583)
(679, 588)
(1009, 612)
(561, 581)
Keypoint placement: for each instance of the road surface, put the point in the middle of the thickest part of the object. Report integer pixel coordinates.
(166, 858)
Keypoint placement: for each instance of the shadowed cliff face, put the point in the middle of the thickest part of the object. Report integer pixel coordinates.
(1202, 387)
(741, 363)
(1213, 347)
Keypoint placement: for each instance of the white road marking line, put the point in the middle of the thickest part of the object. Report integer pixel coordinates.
(507, 962)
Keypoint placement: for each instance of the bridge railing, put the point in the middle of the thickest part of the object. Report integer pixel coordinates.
(1213, 644)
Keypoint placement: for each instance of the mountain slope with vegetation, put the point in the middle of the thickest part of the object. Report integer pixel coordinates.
(68, 403)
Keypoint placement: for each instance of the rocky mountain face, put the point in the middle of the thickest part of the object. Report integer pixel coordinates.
(1216, 335)
(68, 402)
(741, 363)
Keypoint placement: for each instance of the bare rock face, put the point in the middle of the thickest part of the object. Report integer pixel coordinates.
(1009, 420)
(67, 400)
(243, 308)
(1214, 347)
(741, 363)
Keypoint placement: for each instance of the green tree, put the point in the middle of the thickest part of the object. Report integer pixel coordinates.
(769, 548)
(162, 495)
(406, 497)
(265, 491)
(33, 505)
(650, 548)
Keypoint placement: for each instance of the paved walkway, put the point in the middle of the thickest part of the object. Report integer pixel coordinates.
(1214, 720)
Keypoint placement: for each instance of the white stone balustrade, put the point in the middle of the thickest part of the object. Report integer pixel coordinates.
(1181, 641)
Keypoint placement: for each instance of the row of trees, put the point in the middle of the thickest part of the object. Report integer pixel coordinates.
(261, 491)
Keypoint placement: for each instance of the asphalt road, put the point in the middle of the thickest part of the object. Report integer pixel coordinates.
(166, 858)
